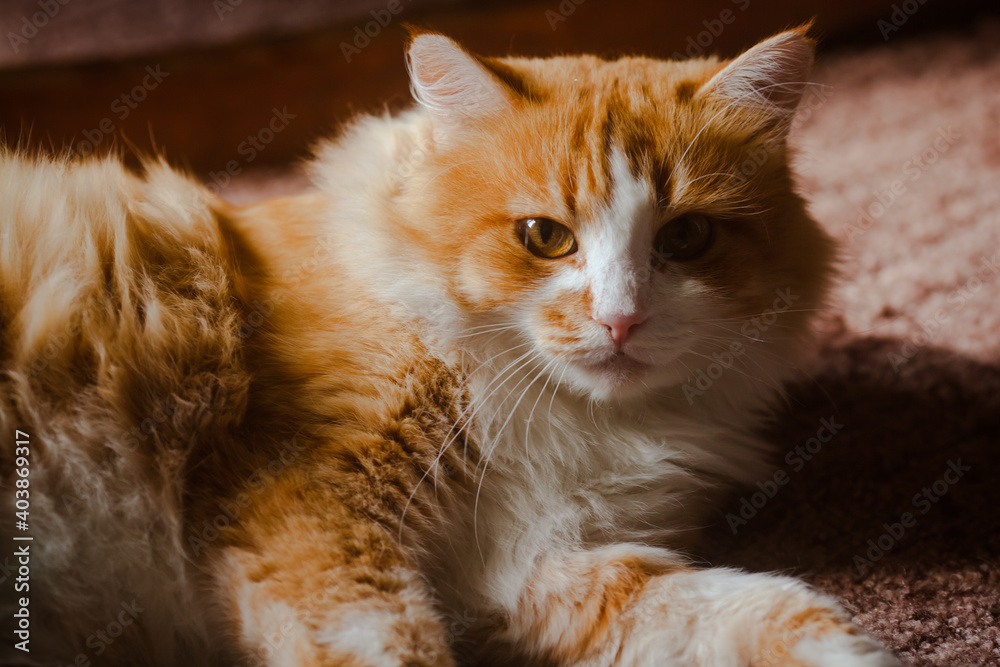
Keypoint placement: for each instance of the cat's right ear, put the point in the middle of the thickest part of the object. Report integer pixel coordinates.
(453, 85)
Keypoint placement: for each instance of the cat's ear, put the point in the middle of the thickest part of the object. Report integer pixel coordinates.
(770, 78)
(455, 86)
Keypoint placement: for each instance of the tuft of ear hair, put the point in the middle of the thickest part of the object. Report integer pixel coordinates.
(770, 77)
(455, 86)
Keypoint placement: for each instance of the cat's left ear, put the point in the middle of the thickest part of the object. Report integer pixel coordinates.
(770, 78)
(455, 86)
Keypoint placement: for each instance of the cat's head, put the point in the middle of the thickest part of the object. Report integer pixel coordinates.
(626, 220)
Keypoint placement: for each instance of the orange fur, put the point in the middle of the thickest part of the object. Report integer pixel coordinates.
(321, 468)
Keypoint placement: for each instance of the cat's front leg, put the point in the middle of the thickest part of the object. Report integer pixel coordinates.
(633, 606)
(307, 580)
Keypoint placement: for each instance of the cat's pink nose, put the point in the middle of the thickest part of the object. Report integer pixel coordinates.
(621, 328)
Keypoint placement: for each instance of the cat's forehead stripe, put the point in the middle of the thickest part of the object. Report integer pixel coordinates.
(607, 130)
(586, 177)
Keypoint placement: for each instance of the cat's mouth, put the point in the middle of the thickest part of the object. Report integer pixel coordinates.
(618, 367)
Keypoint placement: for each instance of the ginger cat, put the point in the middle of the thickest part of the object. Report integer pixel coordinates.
(435, 412)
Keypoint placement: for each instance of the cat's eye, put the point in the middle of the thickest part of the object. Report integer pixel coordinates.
(546, 238)
(684, 237)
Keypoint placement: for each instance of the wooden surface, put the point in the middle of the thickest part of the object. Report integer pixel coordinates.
(208, 104)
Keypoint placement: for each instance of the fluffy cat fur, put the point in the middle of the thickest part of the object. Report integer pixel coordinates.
(365, 427)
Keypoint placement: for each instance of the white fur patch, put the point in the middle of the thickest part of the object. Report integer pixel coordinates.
(843, 650)
(618, 246)
(363, 634)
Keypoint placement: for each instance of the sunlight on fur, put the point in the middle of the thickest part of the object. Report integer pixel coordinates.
(438, 410)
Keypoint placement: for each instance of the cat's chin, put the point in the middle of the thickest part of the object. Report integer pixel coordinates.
(617, 376)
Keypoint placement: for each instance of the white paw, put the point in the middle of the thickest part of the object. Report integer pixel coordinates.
(843, 650)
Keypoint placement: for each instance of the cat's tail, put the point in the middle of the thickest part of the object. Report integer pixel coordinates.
(119, 355)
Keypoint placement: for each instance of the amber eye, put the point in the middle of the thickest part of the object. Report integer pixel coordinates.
(685, 237)
(546, 238)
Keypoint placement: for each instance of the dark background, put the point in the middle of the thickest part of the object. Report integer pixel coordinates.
(230, 63)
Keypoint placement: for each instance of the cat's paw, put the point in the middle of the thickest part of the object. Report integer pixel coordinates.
(724, 618)
(842, 649)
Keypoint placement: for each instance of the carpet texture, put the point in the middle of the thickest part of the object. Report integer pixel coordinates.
(900, 159)
(891, 503)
